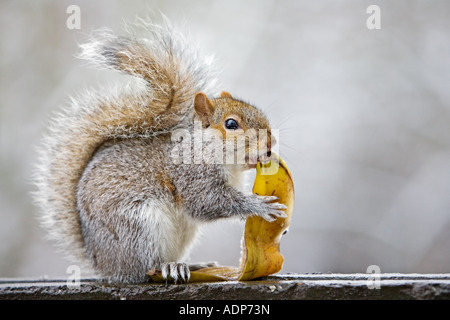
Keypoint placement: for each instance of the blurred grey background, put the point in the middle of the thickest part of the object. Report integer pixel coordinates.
(364, 118)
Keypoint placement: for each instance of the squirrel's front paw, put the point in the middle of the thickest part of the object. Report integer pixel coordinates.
(176, 271)
(271, 210)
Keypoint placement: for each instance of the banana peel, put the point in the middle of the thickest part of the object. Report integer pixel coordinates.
(260, 255)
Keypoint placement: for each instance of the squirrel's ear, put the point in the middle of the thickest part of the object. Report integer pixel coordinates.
(203, 107)
(225, 94)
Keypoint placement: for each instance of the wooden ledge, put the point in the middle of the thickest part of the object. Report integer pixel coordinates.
(287, 287)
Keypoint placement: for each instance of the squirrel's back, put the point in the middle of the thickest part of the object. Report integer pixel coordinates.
(167, 72)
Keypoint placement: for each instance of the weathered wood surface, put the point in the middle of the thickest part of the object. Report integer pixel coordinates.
(286, 287)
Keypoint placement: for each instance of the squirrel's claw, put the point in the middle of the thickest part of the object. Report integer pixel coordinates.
(273, 210)
(177, 271)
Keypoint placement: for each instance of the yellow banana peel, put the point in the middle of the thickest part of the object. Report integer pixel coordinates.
(260, 255)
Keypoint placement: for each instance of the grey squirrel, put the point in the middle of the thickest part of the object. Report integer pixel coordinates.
(109, 193)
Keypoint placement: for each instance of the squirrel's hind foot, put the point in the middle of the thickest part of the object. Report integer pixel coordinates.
(177, 271)
(180, 272)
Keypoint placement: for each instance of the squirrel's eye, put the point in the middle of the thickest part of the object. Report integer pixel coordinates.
(231, 124)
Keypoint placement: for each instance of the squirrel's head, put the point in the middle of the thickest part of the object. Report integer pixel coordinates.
(239, 125)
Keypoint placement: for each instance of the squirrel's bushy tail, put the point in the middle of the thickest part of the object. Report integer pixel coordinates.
(168, 72)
